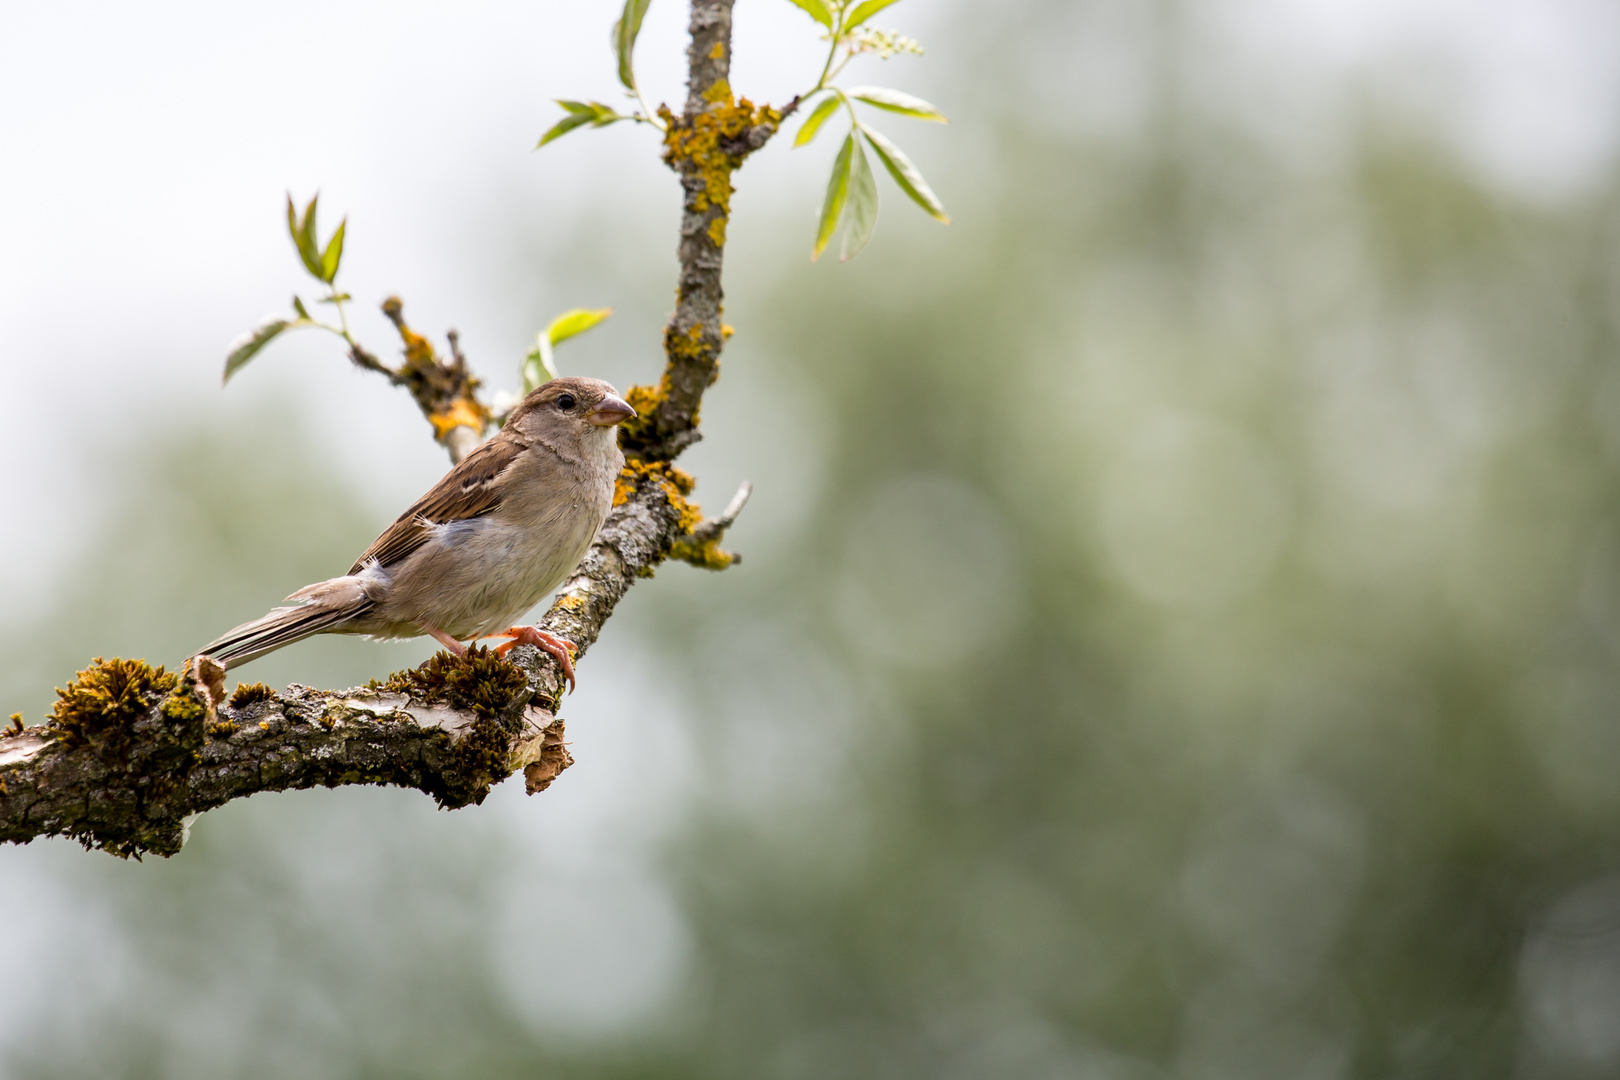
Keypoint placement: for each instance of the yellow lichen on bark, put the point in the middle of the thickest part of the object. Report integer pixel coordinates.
(707, 555)
(702, 143)
(462, 413)
(676, 485)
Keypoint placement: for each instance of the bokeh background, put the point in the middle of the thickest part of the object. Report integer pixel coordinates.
(1179, 634)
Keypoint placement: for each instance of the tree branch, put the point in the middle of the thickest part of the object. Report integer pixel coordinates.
(131, 754)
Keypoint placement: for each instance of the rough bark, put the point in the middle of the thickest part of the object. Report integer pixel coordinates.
(126, 771)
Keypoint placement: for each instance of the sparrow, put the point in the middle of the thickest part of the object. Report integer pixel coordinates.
(503, 528)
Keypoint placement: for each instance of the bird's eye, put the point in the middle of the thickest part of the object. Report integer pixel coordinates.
(565, 402)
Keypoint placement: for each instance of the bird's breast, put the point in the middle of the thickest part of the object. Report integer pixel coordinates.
(480, 575)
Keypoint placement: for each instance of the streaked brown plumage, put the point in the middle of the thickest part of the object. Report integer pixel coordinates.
(488, 542)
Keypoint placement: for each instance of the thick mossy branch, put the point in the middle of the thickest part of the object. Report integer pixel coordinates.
(132, 753)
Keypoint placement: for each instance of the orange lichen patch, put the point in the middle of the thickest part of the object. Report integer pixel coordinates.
(676, 485)
(700, 145)
(418, 349)
(707, 555)
(688, 343)
(570, 603)
(648, 401)
(726, 332)
(720, 92)
(445, 392)
(718, 51)
(638, 430)
(463, 412)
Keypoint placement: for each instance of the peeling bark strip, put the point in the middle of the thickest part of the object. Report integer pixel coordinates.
(132, 753)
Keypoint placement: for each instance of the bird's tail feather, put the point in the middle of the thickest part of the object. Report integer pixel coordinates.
(328, 605)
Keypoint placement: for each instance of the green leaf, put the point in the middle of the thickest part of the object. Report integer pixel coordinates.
(335, 298)
(865, 11)
(298, 306)
(813, 122)
(625, 32)
(307, 249)
(564, 126)
(895, 101)
(863, 206)
(538, 366)
(906, 175)
(333, 253)
(837, 191)
(816, 10)
(245, 347)
(300, 229)
(575, 321)
(580, 113)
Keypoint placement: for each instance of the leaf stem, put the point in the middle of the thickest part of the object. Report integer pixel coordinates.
(827, 71)
(343, 319)
(646, 116)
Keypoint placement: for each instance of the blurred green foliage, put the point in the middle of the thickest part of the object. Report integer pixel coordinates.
(1197, 657)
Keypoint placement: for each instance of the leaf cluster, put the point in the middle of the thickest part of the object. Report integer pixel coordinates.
(322, 264)
(828, 15)
(851, 199)
(580, 113)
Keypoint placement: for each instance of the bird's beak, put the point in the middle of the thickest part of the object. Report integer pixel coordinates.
(609, 411)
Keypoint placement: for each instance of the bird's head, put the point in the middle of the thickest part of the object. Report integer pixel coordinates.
(574, 408)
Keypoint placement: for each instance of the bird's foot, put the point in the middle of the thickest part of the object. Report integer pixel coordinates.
(446, 640)
(559, 649)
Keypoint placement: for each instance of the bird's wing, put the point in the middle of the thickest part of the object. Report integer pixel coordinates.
(470, 490)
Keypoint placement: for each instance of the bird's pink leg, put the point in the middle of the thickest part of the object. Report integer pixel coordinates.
(559, 649)
(446, 640)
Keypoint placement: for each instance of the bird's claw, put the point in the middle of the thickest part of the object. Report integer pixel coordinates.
(559, 649)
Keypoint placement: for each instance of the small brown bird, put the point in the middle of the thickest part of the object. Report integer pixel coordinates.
(499, 532)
